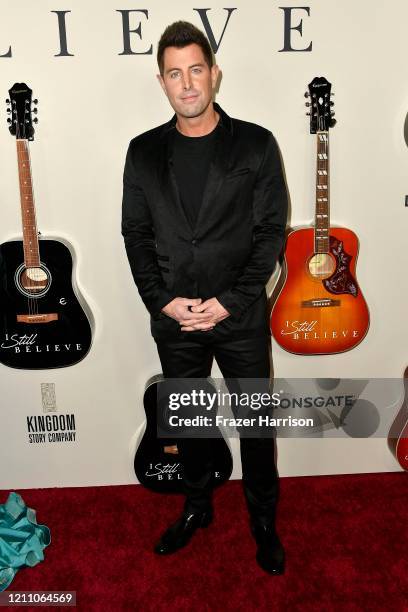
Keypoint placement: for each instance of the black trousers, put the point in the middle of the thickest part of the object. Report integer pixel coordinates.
(244, 358)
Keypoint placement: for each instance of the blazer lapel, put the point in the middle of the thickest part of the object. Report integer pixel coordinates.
(168, 184)
(216, 175)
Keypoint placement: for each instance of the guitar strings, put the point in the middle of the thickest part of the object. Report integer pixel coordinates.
(316, 241)
(29, 268)
(32, 273)
(37, 270)
(20, 178)
(322, 240)
(327, 315)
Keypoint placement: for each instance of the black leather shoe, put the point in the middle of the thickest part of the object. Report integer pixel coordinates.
(270, 554)
(180, 533)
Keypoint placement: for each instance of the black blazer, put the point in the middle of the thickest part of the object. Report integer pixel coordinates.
(231, 252)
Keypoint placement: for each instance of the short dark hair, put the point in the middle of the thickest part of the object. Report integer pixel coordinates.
(180, 34)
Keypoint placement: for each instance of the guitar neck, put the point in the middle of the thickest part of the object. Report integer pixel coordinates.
(30, 233)
(322, 215)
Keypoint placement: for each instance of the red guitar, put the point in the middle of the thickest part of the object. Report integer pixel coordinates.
(320, 309)
(398, 436)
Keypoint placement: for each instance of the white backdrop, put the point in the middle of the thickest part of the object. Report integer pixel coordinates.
(93, 103)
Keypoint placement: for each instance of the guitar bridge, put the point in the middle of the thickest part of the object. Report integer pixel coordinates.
(37, 318)
(320, 303)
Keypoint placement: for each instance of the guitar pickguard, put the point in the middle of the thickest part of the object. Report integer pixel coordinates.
(342, 280)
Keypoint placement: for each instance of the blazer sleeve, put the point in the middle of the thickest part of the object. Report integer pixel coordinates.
(270, 205)
(140, 243)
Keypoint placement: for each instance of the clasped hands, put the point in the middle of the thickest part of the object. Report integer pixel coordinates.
(194, 314)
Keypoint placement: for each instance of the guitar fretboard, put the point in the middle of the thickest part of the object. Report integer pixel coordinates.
(322, 216)
(30, 233)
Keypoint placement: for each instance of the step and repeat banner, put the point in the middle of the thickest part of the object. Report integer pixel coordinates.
(79, 81)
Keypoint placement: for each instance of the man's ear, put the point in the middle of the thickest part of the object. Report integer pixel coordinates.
(161, 81)
(215, 72)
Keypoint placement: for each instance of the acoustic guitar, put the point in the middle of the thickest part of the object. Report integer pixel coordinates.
(398, 435)
(43, 323)
(320, 308)
(157, 464)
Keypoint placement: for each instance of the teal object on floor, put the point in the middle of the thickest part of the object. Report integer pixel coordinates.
(22, 540)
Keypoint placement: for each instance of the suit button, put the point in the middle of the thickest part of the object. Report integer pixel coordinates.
(194, 242)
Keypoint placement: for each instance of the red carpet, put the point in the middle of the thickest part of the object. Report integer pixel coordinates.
(345, 537)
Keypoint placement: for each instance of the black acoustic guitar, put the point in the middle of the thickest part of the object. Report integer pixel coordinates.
(157, 463)
(42, 322)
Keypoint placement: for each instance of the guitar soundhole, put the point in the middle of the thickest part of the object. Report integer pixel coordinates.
(321, 266)
(33, 282)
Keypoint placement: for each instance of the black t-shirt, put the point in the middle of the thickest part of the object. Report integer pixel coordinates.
(191, 162)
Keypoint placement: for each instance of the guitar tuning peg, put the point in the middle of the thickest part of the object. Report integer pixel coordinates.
(35, 110)
(307, 94)
(307, 104)
(9, 110)
(35, 101)
(332, 94)
(307, 114)
(332, 113)
(331, 103)
(35, 120)
(7, 101)
(9, 120)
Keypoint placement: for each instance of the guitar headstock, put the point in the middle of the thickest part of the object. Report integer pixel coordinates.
(21, 108)
(320, 105)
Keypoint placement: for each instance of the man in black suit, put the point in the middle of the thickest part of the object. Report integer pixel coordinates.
(204, 214)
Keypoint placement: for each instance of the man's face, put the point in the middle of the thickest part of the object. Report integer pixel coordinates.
(187, 80)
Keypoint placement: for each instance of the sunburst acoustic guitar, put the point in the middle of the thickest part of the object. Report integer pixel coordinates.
(43, 323)
(320, 308)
